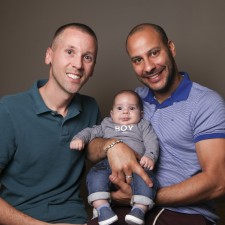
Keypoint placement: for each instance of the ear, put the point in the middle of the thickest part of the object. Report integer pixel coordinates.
(111, 112)
(142, 114)
(48, 56)
(172, 48)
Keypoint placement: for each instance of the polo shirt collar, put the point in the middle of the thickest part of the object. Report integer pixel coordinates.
(40, 107)
(180, 94)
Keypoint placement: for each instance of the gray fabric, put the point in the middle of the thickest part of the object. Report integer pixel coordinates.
(140, 137)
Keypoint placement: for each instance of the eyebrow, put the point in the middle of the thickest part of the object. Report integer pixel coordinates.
(73, 47)
(147, 52)
(135, 57)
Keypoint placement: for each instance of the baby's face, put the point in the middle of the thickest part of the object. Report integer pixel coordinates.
(126, 109)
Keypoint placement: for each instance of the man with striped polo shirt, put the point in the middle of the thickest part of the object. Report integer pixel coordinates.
(189, 120)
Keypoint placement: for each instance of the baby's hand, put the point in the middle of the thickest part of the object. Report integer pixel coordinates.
(147, 163)
(77, 144)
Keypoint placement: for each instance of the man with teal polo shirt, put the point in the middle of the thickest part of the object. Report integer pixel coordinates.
(40, 177)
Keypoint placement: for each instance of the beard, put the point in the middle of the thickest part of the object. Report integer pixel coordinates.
(169, 80)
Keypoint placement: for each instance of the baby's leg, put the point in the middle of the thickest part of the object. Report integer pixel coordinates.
(142, 199)
(98, 203)
(98, 185)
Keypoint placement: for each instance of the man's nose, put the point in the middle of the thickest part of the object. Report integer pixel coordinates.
(149, 66)
(77, 62)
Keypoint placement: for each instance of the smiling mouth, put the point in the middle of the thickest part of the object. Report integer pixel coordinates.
(155, 73)
(153, 76)
(73, 76)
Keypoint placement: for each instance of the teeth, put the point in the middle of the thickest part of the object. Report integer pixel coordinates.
(156, 75)
(73, 76)
(152, 76)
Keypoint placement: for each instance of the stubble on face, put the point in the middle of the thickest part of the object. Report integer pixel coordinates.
(167, 83)
(162, 71)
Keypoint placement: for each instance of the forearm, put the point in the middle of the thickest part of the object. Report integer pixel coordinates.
(95, 149)
(11, 216)
(204, 186)
(198, 188)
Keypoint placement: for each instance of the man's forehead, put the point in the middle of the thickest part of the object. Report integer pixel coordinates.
(143, 40)
(144, 33)
(73, 38)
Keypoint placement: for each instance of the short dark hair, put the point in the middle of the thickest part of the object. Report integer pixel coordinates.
(140, 102)
(80, 26)
(157, 28)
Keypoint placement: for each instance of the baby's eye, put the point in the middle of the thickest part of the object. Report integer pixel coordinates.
(132, 108)
(119, 108)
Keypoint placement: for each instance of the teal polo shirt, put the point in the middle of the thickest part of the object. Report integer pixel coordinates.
(41, 176)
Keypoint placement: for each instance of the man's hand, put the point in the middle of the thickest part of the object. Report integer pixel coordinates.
(123, 162)
(123, 194)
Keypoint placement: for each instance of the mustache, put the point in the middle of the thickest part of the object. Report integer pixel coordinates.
(154, 71)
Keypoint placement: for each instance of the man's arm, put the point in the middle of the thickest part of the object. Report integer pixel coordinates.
(122, 160)
(95, 151)
(206, 185)
(11, 216)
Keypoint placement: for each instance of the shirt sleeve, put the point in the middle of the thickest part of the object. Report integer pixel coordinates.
(90, 133)
(7, 136)
(208, 117)
(150, 141)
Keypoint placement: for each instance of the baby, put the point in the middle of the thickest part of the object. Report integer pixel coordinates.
(126, 125)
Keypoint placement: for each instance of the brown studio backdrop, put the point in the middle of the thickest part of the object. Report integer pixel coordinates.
(196, 27)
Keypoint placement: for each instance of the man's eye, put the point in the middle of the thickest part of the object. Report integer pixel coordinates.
(154, 53)
(88, 58)
(137, 60)
(69, 52)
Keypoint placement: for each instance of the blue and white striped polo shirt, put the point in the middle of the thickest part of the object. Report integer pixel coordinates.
(192, 113)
